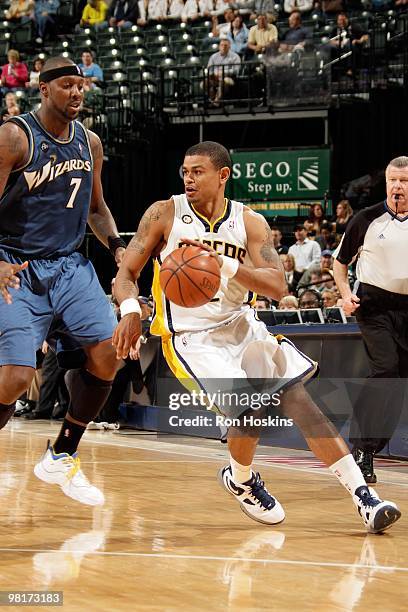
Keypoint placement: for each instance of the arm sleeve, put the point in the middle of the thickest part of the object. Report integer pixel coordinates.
(132, 12)
(111, 9)
(352, 240)
(98, 72)
(252, 37)
(273, 34)
(316, 252)
(85, 12)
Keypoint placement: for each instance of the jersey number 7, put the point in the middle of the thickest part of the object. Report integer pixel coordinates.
(76, 183)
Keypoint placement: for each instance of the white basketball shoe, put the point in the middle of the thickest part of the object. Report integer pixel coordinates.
(65, 470)
(377, 514)
(253, 497)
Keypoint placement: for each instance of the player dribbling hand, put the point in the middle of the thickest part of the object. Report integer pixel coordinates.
(126, 334)
(203, 246)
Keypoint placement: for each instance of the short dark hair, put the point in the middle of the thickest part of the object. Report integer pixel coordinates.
(275, 228)
(326, 225)
(217, 153)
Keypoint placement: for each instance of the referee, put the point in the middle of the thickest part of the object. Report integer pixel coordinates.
(378, 237)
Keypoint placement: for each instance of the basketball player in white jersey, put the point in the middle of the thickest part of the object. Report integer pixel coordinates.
(224, 338)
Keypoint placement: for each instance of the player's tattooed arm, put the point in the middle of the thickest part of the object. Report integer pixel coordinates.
(150, 235)
(267, 276)
(13, 151)
(151, 220)
(100, 218)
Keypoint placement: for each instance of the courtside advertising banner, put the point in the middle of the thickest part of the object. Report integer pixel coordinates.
(280, 175)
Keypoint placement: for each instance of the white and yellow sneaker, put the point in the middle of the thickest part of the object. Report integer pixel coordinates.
(65, 470)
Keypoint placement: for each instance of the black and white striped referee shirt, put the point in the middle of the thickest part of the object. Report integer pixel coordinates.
(380, 240)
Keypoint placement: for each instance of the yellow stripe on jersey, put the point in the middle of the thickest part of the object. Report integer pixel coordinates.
(158, 326)
(253, 301)
(213, 224)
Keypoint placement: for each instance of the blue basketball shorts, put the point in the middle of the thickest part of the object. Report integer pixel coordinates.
(60, 301)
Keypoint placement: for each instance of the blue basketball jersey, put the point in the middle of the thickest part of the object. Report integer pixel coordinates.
(44, 208)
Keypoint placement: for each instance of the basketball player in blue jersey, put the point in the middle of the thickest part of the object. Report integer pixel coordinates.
(225, 336)
(50, 181)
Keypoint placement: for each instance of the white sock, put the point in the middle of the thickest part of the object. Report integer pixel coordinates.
(349, 474)
(240, 473)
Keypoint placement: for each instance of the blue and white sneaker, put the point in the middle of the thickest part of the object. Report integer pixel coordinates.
(377, 515)
(253, 497)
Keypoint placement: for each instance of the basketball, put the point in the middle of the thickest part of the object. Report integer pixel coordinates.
(190, 276)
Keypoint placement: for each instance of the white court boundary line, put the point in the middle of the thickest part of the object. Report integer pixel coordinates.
(215, 456)
(393, 568)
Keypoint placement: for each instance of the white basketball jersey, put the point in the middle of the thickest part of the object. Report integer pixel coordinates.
(227, 236)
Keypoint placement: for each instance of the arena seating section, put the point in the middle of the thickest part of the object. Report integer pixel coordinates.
(160, 70)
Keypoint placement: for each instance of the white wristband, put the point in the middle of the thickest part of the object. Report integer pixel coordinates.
(229, 266)
(130, 305)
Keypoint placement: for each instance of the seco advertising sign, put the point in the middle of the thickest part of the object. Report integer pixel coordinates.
(295, 174)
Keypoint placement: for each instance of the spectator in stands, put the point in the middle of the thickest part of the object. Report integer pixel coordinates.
(306, 252)
(20, 11)
(264, 7)
(327, 239)
(310, 299)
(45, 17)
(322, 269)
(346, 36)
(217, 7)
(321, 281)
(34, 79)
(10, 99)
(191, 11)
(329, 298)
(14, 75)
(92, 72)
(344, 212)
(296, 35)
(329, 8)
(238, 36)
(315, 219)
(222, 67)
(292, 276)
(289, 302)
(262, 35)
(94, 14)
(222, 30)
(244, 6)
(12, 111)
(277, 241)
(176, 10)
(125, 13)
(262, 303)
(303, 6)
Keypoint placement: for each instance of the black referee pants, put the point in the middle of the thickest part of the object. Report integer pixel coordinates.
(385, 335)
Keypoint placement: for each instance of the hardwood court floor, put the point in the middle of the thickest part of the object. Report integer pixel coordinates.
(169, 538)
